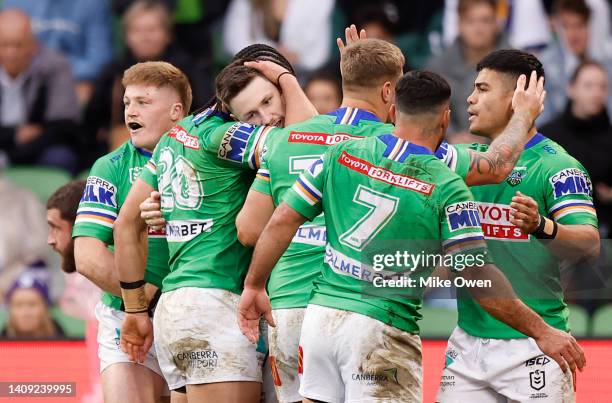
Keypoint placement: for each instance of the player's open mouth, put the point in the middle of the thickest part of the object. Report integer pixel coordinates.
(134, 126)
(472, 116)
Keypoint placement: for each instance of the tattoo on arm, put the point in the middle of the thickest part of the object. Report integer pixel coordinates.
(504, 151)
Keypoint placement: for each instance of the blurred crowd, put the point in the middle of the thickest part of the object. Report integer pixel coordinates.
(61, 99)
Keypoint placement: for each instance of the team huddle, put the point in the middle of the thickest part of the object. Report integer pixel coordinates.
(236, 246)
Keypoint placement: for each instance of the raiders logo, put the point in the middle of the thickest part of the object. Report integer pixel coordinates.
(516, 177)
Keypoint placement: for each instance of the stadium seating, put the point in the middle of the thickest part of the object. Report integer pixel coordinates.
(437, 322)
(602, 322)
(579, 321)
(42, 182)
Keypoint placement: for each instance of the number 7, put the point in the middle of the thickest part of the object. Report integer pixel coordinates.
(381, 207)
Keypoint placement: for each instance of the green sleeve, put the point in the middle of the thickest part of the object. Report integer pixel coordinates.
(261, 183)
(239, 144)
(305, 196)
(456, 157)
(569, 192)
(98, 208)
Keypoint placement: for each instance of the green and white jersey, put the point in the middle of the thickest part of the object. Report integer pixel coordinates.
(108, 185)
(562, 188)
(383, 195)
(203, 169)
(288, 153)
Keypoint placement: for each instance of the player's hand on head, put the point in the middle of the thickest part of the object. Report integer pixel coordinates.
(136, 336)
(525, 213)
(254, 303)
(563, 348)
(528, 100)
(351, 35)
(150, 211)
(270, 70)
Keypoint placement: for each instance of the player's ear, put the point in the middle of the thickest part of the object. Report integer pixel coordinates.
(446, 114)
(387, 92)
(177, 111)
(392, 114)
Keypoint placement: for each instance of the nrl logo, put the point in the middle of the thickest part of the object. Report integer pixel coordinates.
(537, 379)
(516, 176)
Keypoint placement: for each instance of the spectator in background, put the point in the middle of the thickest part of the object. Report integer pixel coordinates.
(194, 23)
(38, 105)
(29, 305)
(571, 22)
(22, 240)
(478, 36)
(524, 22)
(324, 90)
(79, 29)
(148, 36)
(300, 29)
(584, 130)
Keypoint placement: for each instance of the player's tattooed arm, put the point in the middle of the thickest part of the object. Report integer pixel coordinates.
(272, 243)
(253, 217)
(495, 164)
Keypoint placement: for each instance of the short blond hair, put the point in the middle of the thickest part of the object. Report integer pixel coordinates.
(368, 63)
(160, 74)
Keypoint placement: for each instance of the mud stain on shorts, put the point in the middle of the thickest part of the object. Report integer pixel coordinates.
(190, 354)
(396, 363)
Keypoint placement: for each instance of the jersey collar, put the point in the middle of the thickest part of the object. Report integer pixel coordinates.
(399, 149)
(537, 138)
(142, 151)
(352, 116)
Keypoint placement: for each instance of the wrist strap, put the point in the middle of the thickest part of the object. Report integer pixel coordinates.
(280, 75)
(134, 298)
(131, 285)
(547, 229)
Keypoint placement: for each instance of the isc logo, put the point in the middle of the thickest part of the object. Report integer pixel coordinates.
(462, 215)
(542, 360)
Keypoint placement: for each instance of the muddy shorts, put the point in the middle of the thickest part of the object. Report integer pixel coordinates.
(348, 357)
(284, 341)
(109, 348)
(497, 370)
(198, 340)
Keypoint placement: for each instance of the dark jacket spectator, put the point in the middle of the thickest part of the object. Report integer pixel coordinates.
(38, 105)
(478, 36)
(584, 130)
(78, 29)
(148, 36)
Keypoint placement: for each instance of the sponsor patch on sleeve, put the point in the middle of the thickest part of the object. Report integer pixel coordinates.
(571, 181)
(100, 191)
(234, 142)
(462, 215)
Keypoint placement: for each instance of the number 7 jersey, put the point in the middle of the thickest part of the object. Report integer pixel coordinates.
(383, 195)
(203, 169)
